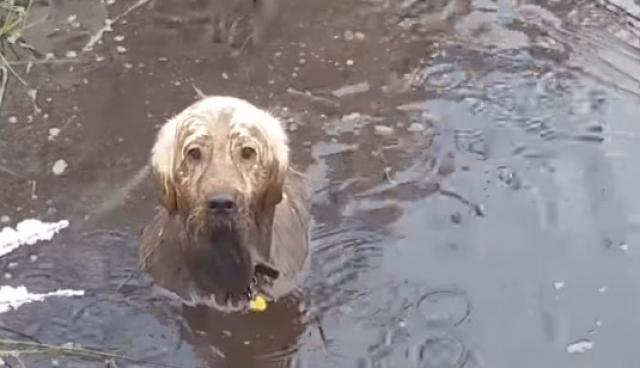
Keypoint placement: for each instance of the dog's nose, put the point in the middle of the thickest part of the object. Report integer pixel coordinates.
(222, 204)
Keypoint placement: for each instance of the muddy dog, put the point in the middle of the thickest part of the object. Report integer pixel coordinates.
(234, 215)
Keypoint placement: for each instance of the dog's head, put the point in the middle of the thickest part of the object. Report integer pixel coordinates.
(221, 165)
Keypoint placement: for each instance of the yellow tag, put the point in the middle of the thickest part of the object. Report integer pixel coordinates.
(258, 304)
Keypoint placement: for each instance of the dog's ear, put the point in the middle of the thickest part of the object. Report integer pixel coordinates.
(276, 159)
(272, 196)
(168, 195)
(275, 185)
(163, 162)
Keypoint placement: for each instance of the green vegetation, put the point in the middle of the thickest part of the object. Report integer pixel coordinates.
(14, 16)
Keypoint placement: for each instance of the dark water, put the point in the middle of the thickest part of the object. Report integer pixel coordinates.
(474, 201)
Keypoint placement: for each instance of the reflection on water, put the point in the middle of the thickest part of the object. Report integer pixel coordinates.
(472, 163)
(268, 339)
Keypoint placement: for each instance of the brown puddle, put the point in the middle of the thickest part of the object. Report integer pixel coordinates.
(472, 161)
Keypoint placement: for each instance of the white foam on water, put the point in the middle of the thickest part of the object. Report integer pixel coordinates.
(12, 298)
(580, 346)
(28, 231)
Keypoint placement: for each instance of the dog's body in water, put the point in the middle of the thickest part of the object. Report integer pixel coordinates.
(234, 217)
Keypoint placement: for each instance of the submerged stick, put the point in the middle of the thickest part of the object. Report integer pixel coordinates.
(7, 170)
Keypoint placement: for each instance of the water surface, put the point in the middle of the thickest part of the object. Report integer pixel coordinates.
(472, 165)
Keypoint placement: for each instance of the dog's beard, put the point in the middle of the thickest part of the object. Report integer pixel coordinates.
(219, 259)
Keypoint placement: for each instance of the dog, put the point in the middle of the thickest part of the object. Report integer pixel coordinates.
(234, 216)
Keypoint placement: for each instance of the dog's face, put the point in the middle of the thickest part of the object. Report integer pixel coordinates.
(221, 164)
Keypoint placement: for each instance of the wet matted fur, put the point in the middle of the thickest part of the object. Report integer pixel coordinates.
(224, 147)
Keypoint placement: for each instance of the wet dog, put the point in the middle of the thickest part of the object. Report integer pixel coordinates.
(234, 215)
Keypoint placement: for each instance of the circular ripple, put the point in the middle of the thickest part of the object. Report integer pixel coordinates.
(440, 352)
(445, 307)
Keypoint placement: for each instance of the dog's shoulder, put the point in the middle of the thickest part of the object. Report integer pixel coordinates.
(290, 241)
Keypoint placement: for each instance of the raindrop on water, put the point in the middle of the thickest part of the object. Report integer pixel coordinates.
(445, 307)
(602, 289)
(441, 352)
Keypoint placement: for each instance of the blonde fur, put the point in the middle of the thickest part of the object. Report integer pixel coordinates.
(269, 224)
(197, 121)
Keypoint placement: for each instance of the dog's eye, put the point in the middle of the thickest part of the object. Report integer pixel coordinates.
(248, 153)
(194, 153)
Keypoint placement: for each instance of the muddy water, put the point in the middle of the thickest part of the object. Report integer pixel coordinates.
(472, 165)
